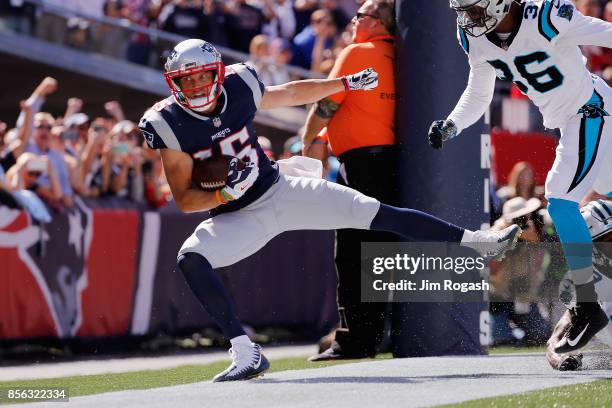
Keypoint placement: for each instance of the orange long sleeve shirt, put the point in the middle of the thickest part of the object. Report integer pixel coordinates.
(365, 118)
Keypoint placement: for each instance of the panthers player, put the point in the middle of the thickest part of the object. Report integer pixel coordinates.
(598, 216)
(535, 45)
(210, 112)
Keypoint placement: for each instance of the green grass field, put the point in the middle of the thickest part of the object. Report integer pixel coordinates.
(595, 394)
(590, 395)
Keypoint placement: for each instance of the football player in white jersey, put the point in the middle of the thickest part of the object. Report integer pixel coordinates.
(598, 216)
(535, 44)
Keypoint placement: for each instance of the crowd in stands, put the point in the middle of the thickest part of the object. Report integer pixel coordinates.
(303, 33)
(58, 158)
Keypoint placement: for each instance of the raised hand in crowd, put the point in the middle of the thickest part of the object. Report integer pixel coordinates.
(47, 86)
(23, 134)
(115, 110)
(73, 105)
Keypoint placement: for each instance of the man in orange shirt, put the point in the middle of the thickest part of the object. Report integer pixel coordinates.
(361, 133)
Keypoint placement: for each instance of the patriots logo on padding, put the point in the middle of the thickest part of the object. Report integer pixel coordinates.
(566, 11)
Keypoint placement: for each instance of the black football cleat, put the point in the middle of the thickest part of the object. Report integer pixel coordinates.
(587, 318)
(571, 362)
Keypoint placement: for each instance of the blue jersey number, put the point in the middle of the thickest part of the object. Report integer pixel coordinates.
(541, 81)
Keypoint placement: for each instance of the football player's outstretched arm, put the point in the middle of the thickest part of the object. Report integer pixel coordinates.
(178, 166)
(297, 93)
(476, 98)
(472, 105)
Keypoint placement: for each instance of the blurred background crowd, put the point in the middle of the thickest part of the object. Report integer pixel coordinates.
(52, 159)
(303, 33)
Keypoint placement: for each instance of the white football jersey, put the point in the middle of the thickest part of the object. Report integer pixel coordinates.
(542, 57)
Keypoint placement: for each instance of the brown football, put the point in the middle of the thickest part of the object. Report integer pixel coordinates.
(210, 174)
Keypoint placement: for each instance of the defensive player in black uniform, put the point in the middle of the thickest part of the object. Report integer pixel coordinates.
(211, 112)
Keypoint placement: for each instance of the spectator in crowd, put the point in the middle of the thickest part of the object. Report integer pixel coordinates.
(121, 163)
(280, 50)
(51, 26)
(244, 22)
(281, 22)
(74, 132)
(365, 144)
(13, 146)
(139, 45)
(521, 183)
(78, 34)
(215, 23)
(91, 161)
(303, 10)
(339, 17)
(323, 57)
(183, 17)
(41, 146)
(322, 28)
(27, 173)
(516, 281)
(260, 58)
(17, 16)
(110, 39)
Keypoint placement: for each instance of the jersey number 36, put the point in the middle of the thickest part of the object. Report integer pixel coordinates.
(542, 81)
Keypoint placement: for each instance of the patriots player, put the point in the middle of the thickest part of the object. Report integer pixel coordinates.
(535, 45)
(598, 216)
(210, 112)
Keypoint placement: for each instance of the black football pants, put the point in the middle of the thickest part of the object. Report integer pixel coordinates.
(371, 171)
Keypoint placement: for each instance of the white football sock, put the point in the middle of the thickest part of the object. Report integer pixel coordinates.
(468, 236)
(241, 340)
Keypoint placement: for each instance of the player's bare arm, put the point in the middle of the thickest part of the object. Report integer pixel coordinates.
(318, 117)
(178, 166)
(297, 93)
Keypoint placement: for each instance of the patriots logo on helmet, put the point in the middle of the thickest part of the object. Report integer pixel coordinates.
(209, 48)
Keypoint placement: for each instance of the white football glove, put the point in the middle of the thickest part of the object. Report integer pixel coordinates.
(238, 181)
(364, 80)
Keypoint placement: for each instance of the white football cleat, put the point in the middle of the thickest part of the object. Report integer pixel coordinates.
(494, 244)
(247, 362)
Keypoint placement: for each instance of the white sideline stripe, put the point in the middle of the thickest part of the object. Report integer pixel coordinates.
(146, 273)
(164, 130)
(251, 81)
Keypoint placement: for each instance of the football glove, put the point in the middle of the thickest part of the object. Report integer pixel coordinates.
(364, 80)
(440, 131)
(239, 180)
